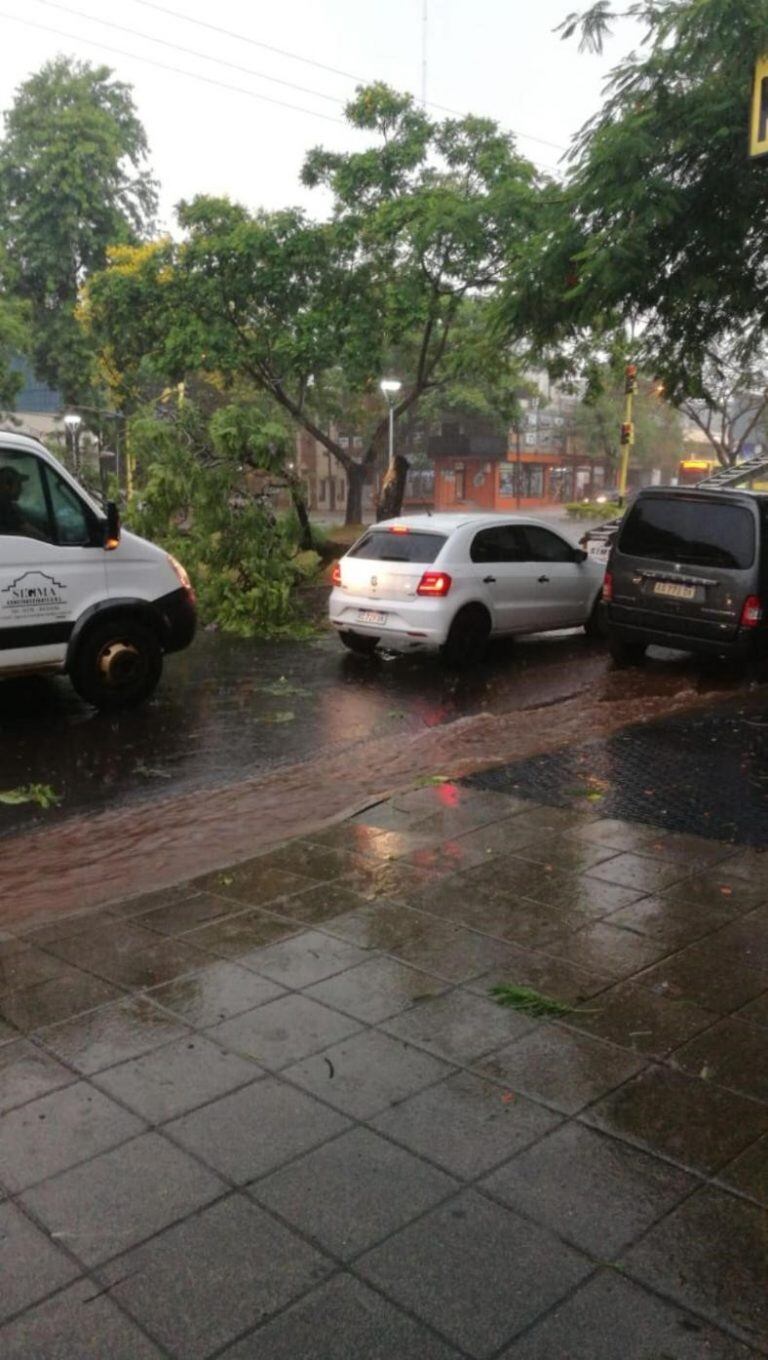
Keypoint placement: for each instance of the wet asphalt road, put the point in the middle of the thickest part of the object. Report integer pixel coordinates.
(229, 709)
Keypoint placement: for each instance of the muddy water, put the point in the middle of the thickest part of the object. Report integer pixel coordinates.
(126, 850)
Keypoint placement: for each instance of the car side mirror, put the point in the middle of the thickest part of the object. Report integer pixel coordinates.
(112, 527)
(579, 555)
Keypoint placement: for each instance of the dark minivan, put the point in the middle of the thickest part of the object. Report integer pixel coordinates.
(689, 570)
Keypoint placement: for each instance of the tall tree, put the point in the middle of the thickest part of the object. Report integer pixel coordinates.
(73, 181)
(660, 231)
(422, 222)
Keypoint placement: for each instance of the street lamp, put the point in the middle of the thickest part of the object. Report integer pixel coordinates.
(390, 387)
(73, 422)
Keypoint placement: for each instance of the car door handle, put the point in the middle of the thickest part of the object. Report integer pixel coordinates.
(543, 580)
(489, 580)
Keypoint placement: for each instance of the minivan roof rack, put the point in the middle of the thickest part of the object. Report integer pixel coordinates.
(732, 476)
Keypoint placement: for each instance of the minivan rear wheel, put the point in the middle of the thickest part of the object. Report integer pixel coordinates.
(362, 646)
(626, 653)
(117, 664)
(468, 636)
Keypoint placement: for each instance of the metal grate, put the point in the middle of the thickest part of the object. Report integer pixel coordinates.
(706, 774)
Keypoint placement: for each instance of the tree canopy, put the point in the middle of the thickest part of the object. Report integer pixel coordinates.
(73, 181)
(396, 282)
(660, 231)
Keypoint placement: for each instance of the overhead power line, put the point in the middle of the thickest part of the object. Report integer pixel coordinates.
(307, 61)
(165, 66)
(188, 51)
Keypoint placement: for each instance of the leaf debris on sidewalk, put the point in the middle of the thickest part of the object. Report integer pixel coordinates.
(41, 794)
(529, 1001)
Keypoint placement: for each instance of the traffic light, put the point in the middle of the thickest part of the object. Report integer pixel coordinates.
(626, 432)
(630, 379)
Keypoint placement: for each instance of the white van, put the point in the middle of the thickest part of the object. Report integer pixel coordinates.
(76, 593)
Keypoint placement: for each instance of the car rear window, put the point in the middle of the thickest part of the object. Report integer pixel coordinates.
(696, 532)
(384, 545)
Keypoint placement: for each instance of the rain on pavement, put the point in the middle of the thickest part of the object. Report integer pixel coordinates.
(230, 709)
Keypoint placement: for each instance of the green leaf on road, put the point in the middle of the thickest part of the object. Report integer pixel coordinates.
(41, 794)
(528, 1001)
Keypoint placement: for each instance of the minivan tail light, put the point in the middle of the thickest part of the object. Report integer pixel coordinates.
(752, 613)
(608, 588)
(336, 574)
(434, 583)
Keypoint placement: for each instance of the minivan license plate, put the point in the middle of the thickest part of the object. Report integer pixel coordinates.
(675, 590)
(371, 616)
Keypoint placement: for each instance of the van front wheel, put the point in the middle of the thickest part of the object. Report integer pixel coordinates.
(117, 664)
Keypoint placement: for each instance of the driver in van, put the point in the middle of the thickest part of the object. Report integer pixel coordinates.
(12, 518)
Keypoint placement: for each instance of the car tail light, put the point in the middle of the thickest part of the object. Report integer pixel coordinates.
(752, 613)
(336, 574)
(608, 588)
(434, 583)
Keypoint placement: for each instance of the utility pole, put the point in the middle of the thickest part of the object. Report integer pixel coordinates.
(627, 437)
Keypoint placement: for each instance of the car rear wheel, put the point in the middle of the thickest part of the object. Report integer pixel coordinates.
(626, 653)
(117, 664)
(468, 637)
(362, 646)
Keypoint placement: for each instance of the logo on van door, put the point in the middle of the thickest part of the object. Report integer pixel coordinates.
(34, 595)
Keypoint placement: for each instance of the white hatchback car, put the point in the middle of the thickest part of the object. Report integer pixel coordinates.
(447, 583)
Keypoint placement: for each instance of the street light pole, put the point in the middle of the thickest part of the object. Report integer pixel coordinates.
(390, 387)
(73, 421)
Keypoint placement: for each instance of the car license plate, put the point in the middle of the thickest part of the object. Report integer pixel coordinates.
(674, 590)
(371, 616)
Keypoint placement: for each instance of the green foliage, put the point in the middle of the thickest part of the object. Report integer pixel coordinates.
(194, 499)
(40, 794)
(315, 313)
(72, 182)
(14, 340)
(529, 1001)
(593, 510)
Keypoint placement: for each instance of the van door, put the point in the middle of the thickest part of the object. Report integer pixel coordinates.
(52, 562)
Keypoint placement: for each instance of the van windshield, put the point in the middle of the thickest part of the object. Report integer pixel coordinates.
(386, 545)
(696, 532)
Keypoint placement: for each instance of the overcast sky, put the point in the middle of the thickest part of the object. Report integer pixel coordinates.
(498, 58)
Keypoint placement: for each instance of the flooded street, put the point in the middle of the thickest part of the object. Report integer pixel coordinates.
(231, 709)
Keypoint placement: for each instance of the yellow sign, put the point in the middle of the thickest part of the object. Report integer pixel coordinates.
(758, 122)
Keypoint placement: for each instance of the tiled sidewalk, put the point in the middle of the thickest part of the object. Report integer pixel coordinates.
(275, 1114)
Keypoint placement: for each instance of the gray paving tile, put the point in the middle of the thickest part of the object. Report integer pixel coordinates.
(176, 918)
(350, 1193)
(283, 1030)
(69, 994)
(560, 1067)
(111, 1034)
(466, 1124)
(687, 1120)
(377, 989)
(122, 1197)
(605, 948)
(641, 1020)
(27, 1072)
(447, 951)
(367, 1073)
(690, 1256)
(57, 1130)
(206, 1280)
(598, 1193)
(749, 1172)
(732, 1053)
(171, 1080)
(304, 959)
(638, 871)
(251, 1131)
(75, 1325)
(27, 967)
(30, 1265)
(215, 993)
(459, 1026)
(475, 1271)
(611, 1317)
(343, 1320)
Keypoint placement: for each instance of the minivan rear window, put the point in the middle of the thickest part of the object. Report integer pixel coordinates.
(384, 545)
(695, 532)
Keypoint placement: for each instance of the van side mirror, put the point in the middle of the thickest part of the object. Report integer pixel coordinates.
(112, 527)
(579, 555)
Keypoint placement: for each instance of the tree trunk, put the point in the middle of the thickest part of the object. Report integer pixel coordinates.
(355, 483)
(393, 489)
(306, 542)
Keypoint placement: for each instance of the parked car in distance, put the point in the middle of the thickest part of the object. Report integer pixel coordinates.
(688, 569)
(448, 583)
